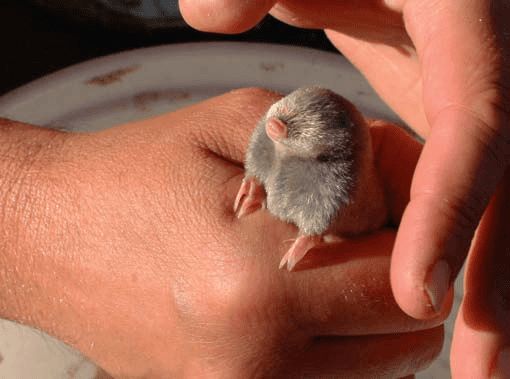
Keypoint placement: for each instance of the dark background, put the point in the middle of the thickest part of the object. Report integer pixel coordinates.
(37, 38)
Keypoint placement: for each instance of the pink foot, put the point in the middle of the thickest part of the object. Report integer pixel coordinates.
(298, 250)
(250, 197)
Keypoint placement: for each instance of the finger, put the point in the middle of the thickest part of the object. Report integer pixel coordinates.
(233, 16)
(395, 155)
(465, 154)
(383, 356)
(224, 16)
(364, 19)
(381, 63)
(482, 328)
(351, 290)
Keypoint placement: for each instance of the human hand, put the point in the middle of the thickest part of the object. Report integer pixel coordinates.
(443, 67)
(129, 250)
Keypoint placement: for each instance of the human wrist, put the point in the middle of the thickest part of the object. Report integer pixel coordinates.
(26, 154)
(69, 237)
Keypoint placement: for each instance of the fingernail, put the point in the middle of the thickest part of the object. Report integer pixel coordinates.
(437, 284)
(501, 369)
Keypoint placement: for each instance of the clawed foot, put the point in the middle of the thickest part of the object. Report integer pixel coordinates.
(298, 250)
(250, 197)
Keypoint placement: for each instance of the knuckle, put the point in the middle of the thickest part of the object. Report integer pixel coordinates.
(233, 322)
(464, 213)
(224, 127)
(228, 299)
(457, 214)
(455, 220)
(494, 142)
(250, 95)
(490, 141)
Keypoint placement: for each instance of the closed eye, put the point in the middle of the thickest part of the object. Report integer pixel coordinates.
(324, 158)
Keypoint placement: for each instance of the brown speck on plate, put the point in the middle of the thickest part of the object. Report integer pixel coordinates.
(112, 76)
(271, 66)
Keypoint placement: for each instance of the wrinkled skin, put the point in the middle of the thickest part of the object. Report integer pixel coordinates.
(123, 243)
(443, 66)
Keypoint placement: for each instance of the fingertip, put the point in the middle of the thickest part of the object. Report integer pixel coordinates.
(396, 155)
(410, 297)
(416, 300)
(421, 280)
(224, 16)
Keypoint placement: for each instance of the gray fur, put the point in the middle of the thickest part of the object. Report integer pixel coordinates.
(313, 176)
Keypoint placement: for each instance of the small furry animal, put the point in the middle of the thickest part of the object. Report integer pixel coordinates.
(310, 162)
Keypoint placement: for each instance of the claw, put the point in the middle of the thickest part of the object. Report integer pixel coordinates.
(250, 197)
(243, 191)
(298, 250)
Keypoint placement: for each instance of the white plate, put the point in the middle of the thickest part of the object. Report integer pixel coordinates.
(137, 84)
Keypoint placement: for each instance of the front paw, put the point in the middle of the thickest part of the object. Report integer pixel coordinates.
(250, 197)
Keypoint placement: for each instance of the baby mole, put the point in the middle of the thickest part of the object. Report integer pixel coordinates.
(310, 162)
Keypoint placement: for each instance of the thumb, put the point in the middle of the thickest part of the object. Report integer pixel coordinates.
(464, 158)
(224, 16)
